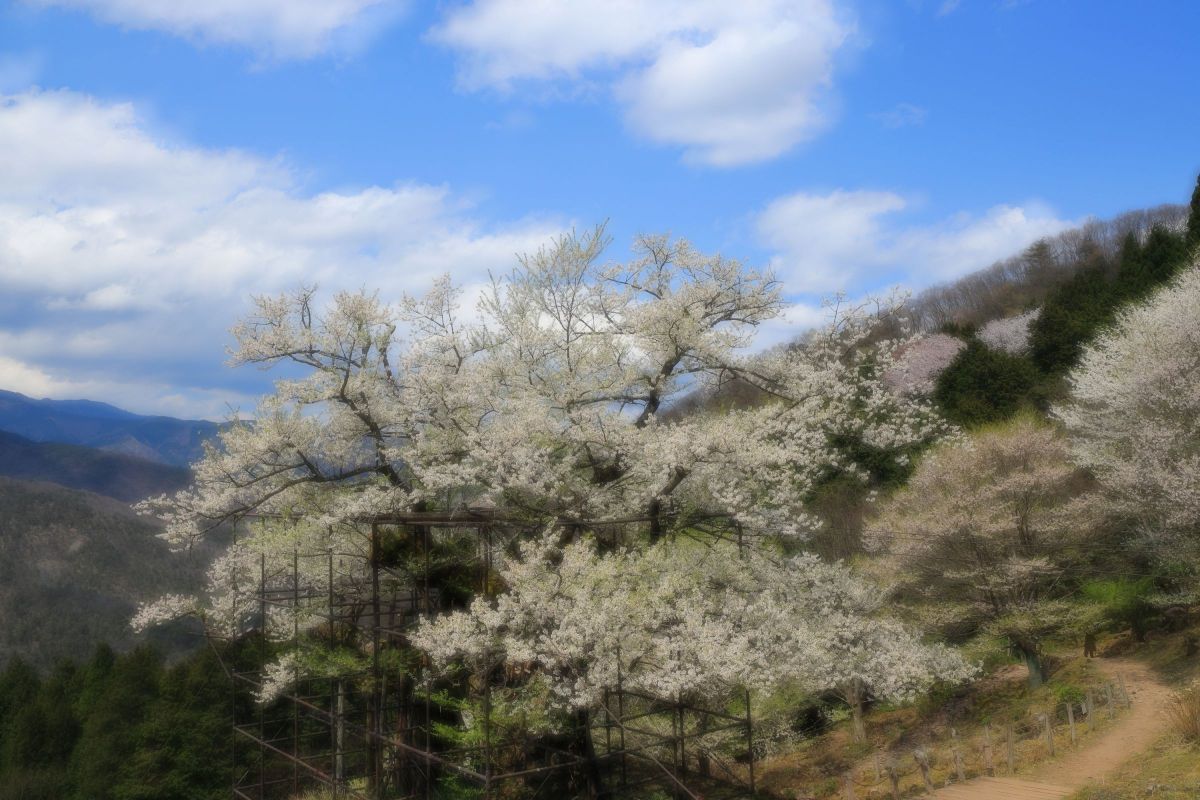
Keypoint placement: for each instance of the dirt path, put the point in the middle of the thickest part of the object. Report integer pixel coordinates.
(1134, 732)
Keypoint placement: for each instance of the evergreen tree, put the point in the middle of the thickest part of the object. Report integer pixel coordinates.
(1158, 261)
(1071, 316)
(109, 737)
(19, 686)
(984, 385)
(183, 743)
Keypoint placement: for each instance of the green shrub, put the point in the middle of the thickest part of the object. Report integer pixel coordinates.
(983, 385)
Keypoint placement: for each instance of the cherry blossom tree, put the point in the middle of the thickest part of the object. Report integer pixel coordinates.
(545, 404)
(919, 364)
(986, 529)
(1010, 334)
(1135, 399)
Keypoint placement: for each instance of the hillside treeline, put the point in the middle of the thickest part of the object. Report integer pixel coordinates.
(115, 727)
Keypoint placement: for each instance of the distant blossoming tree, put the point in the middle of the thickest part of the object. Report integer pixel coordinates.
(1133, 411)
(1010, 334)
(920, 362)
(987, 526)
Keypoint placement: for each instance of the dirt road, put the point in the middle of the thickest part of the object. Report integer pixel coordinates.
(1134, 732)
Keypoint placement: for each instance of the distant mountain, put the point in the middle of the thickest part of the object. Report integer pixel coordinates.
(74, 566)
(85, 422)
(114, 475)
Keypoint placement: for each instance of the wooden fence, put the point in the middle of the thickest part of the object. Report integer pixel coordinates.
(999, 749)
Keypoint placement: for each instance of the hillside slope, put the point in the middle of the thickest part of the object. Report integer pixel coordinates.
(114, 475)
(84, 422)
(73, 567)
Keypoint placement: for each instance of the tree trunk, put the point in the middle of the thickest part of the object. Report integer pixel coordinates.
(855, 695)
(594, 780)
(1033, 661)
(655, 513)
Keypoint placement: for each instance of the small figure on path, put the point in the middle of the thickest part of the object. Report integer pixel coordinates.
(1089, 645)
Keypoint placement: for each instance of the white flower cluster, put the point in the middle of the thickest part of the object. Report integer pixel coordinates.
(1135, 402)
(1011, 334)
(921, 362)
(676, 621)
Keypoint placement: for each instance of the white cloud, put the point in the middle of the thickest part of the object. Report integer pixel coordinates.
(124, 257)
(853, 241)
(732, 83)
(277, 28)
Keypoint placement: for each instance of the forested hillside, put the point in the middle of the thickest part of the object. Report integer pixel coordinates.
(73, 568)
(121, 726)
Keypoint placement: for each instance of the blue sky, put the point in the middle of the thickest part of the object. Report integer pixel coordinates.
(165, 160)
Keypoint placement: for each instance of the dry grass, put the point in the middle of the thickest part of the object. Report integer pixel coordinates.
(1184, 712)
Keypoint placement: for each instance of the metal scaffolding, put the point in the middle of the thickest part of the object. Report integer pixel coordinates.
(381, 732)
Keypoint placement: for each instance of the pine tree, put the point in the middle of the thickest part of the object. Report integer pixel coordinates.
(182, 747)
(984, 385)
(109, 737)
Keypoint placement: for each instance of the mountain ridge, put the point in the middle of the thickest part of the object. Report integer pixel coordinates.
(122, 477)
(167, 440)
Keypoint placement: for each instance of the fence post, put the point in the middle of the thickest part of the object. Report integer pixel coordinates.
(1108, 699)
(1012, 755)
(1091, 706)
(1049, 734)
(922, 759)
(1124, 692)
(878, 771)
(894, 777)
(1071, 722)
(958, 762)
(988, 763)
(850, 785)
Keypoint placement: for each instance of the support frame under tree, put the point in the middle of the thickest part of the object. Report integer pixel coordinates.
(373, 735)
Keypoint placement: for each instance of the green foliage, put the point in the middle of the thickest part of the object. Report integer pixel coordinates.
(1075, 312)
(118, 727)
(1151, 265)
(1124, 602)
(1067, 693)
(1071, 316)
(983, 385)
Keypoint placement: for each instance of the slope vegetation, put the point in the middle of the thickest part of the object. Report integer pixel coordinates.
(73, 567)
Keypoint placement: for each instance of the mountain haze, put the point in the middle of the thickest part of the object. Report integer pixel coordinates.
(167, 440)
(116, 475)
